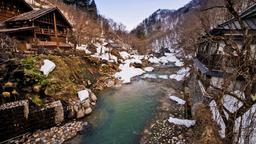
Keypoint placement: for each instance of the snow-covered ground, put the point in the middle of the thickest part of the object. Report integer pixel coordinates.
(128, 71)
(103, 52)
(84, 48)
(167, 58)
(148, 69)
(181, 74)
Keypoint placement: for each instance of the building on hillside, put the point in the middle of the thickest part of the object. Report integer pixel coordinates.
(210, 53)
(215, 60)
(46, 28)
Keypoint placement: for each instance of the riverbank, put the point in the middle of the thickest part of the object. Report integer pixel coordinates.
(121, 114)
(159, 130)
(57, 134)
(69, 76)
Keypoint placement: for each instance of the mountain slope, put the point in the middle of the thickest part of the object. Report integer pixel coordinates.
(163, 27)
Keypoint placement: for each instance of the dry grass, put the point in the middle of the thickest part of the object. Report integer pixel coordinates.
(206, 130)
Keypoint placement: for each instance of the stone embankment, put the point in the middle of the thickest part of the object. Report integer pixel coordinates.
(54, 135)
(30, 101)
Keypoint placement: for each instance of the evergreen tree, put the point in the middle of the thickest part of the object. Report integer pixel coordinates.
(93, 5)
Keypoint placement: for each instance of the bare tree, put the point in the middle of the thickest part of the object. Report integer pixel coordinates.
(234, 93)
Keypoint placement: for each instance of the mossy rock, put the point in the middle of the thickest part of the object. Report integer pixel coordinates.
(37, 101)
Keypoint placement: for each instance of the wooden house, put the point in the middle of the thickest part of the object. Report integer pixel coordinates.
(45, 28)
(210, 53)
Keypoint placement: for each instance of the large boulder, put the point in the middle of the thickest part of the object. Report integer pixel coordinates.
(80, 113)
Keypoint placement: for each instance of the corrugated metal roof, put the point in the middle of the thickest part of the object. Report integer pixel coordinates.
(233, 24)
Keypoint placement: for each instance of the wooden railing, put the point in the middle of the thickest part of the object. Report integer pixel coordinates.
(50, 32)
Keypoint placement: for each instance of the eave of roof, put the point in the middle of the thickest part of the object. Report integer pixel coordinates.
(13, 30)
(34, 14)
(233, 24)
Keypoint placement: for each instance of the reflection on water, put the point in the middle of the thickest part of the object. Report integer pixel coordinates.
(122, 113)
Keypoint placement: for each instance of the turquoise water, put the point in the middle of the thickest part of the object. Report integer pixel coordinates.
(121, 114)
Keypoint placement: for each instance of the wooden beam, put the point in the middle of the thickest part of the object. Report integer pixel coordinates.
(55, 29)
(33, 24)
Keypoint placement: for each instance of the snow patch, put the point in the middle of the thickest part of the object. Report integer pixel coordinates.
(181, 74)
(184, 122)
(128, 72)
(178, 100)
(83, 95)
(151, 76)
(148, 69)
(163, 76)
(84, 48)
(168, 58)
(124, 54)
(48, 67)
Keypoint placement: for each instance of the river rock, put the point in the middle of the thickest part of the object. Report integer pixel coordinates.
(110, 83)
(93, 97)
(9, 84)
(76, 108)
(71, 113)
(36, 88)
(93, 103)
(6, 94)
(88, 111)
(14, 92)
(80, 113)
(86, 103)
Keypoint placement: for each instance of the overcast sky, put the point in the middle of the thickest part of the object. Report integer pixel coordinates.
(132, 12)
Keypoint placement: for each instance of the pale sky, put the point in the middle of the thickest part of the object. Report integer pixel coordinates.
(132, 12)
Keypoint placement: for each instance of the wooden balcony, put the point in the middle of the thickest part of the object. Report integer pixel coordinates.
(49, 32)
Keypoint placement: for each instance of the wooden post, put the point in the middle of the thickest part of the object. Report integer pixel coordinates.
(55, 29)
(33, 24)
(35, 38)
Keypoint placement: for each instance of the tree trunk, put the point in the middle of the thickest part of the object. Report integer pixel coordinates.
(229, 131)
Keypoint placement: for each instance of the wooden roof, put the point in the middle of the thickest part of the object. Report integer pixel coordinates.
(249, 11)
(35, 14)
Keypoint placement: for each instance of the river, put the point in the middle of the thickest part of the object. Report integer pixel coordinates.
(122, 113)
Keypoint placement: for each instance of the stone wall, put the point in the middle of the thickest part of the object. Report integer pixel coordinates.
(16, 118)
(13, 119)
